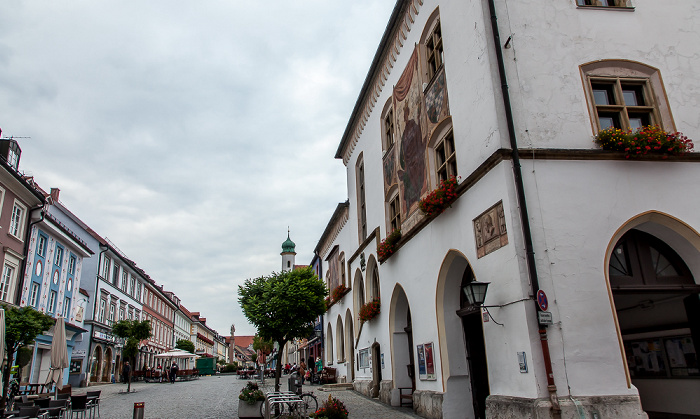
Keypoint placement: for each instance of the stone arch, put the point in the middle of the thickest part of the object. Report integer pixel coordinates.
(666, 311)
(358, 299)
(340, 340)
(107, 369)
(95, 369)
(349, 346)
(453, 350)
(401, 332)
(329, 344)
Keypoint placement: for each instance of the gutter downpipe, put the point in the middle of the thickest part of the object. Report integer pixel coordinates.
(18, 293)
(524, 218)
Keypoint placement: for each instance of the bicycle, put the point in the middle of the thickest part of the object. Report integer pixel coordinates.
(292, 409)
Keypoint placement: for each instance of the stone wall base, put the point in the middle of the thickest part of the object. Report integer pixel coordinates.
(363, 387)
(428, 404)
(593, 407)
(385, 387)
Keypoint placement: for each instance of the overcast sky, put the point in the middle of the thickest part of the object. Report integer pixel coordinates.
(190, 133)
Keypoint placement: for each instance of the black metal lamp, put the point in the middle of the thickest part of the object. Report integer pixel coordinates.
(476, 292)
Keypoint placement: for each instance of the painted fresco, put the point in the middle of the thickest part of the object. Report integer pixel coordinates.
(436, 105)
(389, 170)
(411, 138)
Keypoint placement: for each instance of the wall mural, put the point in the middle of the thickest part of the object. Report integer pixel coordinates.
(411, 136)
(416, 115)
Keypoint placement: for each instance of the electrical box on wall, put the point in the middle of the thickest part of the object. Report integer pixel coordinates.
(522, 361)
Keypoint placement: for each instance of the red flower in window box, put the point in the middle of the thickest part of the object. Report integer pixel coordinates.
(441, 198)
(650, 139)
(387, 246)
(370, 310)
(339, 292)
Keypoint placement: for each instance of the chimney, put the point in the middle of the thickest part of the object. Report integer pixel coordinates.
(54, 194)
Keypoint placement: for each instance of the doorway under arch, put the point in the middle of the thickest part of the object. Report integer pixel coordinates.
(95, 370)
(349, 346)
(401, 326)
(652, 277)
(462, 347)
(107, 367)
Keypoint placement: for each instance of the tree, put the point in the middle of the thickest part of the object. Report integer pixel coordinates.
(185, 345)
(283, 306)
(134, 331)
(22, 326)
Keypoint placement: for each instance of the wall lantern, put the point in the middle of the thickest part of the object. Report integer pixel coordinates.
(476, 292)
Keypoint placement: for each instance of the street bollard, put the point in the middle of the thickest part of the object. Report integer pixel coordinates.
(138, 410)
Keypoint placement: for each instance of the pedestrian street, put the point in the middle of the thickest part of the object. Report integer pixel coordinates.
(216, 397)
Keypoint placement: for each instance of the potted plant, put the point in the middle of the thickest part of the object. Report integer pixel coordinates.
(441, 198)
(387, 246)
(249, 401)
(331, 409)
(650, 139)
(370, 310)
(339, 292)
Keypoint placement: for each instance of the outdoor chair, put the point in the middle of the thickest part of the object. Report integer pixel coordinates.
(29, 412)
(63, 396)
(42, 402)
(57, 408)
(78, 404)
(94, 401)
(24, 404)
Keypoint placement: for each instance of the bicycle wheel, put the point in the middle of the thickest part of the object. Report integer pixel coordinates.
(275, 411)
(310, 404)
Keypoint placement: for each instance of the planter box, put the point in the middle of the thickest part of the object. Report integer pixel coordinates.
(246, 410)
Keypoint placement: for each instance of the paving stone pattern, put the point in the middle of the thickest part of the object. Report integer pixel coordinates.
(216, 397)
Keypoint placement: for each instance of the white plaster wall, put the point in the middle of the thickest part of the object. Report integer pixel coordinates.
(543, 64)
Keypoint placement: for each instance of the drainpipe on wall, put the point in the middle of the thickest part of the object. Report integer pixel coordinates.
(23, 264)
(524, 218)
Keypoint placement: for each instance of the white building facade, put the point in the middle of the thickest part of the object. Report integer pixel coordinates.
(609, 244)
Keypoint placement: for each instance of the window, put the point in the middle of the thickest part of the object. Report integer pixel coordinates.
(59, 256)
(34, 297)
(445, 158)
(71, 265)
(434, 51)
(105, 268)
(66, 307)
(103, 303)
(52, 301)
(8, 274)
(361, 205)
(17, 220)
(121, 313)
(115, 275)
(342, 269)
(41, 246)
(132, 283)
(625, 95)
(388, 129)
(138, 292)
(394, 213)
(125, 279)
(112, 309)
(604, 3)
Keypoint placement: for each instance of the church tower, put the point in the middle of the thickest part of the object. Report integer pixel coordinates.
(288, 254)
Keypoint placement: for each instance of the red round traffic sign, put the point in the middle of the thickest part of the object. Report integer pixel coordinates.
(542, 300)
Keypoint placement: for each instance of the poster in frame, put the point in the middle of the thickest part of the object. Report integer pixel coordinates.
(429, 361)
(422, 374)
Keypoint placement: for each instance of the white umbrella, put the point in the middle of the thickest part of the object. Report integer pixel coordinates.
(59, 354)
(2, 335)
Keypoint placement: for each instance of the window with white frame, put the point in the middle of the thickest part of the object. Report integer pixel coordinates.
(131, 286)
(41, 246)
(112, 311)
(138, 292)
(122, 310)
(625, 95)
(115, 275)
(103, 304)
(17, 220)
(388, 129)
(394, 213)
(105, 268)
(8, 274)
(125, 280)
(34, 295)
(71, 265)
(66, 307)
(58, 257)
(52, 301)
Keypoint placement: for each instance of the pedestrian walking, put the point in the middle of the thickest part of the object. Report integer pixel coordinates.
(302, 372)
(126, 371)
(173, 373)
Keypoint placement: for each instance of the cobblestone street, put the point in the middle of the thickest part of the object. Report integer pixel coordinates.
(216, 397)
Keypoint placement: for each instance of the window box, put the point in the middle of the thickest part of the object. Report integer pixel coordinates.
(441, 198)
(387, 246)
(645, 140)
(339, 292)
(370, 310)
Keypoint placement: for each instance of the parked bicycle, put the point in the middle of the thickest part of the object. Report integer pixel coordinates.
(292, 408)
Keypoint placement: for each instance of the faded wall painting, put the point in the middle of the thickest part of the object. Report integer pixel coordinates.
(411, 136)
(436, 104)
(490, 230)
